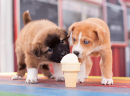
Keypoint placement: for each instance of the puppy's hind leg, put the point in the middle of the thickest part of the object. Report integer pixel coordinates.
(46, 71)
(21, 66)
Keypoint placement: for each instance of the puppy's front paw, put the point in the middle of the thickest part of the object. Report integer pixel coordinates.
(31, 80)
(106, 81)
(86, 76)
(51, 77)
(59, 78)
(16, 77)
(32, 77)
(80, 79)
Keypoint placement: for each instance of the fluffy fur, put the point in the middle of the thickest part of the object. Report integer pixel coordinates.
(91, 38)
(39, 43)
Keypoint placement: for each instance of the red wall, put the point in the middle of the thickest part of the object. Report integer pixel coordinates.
(118, 63)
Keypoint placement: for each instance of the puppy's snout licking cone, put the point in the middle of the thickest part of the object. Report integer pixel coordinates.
(70, 67)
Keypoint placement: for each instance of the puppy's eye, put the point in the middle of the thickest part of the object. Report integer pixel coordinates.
(74, 40)
(50, 49)
(86, 42)
(61, 41)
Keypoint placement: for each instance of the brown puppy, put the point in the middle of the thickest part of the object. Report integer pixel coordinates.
(91, 38)
(40, 42)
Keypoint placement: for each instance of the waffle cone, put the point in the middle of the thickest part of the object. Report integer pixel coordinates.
(70, 73)
(70, 78)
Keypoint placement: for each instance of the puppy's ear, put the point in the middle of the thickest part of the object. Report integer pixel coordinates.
(26, 17)
(101, 33)
(37, 50)
(71, 28)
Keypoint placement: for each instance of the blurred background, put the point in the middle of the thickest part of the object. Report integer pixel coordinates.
(116, 13)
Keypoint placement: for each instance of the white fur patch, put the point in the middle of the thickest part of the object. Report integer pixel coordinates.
(32, 75)
(16, 77)
(106, 81)
(81, 73)
(78, 46)
(79, 37)
(96, 49)
(27, 11)
(58, 74)
(70, 40)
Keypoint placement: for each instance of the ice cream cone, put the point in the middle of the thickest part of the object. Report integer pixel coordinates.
(70, 73)
(70, 78)
(70, 68)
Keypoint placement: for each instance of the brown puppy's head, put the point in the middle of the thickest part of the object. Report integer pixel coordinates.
(51, 45)
(49, 42)
(86, 37)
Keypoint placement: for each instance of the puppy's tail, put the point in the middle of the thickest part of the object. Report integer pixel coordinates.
(26, 17)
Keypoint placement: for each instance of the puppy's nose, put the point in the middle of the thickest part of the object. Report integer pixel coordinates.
(76, 53)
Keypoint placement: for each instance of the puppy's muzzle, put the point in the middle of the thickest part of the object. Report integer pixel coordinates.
(63, 53)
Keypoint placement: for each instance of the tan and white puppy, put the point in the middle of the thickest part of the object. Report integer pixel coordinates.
(91, 38)
(39, 43)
